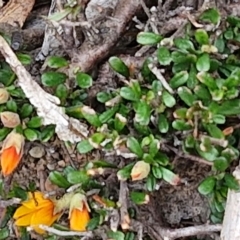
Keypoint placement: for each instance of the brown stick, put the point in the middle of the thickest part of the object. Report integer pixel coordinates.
(89, 54)
(171, 234)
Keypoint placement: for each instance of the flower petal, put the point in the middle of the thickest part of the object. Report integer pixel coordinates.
(43, 216)
(22, 211)
(9, 160)
(79, 219)
(36, 200)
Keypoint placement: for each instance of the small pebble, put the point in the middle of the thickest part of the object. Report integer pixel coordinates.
(37, 152)
(61, 163)
(50, 166)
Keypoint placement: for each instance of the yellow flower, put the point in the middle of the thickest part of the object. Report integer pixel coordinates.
(79, 213)
(11, 152)
(35, 211)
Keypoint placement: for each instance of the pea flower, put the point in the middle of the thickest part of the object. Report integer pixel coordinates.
(4, 95)
(11, 153)
(36, 210)
(79, 212)
(140, 170)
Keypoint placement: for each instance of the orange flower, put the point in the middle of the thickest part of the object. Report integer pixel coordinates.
(79, 213)
(12, 151)
(35, 211)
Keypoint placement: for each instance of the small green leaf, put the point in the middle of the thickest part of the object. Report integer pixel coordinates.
(201, 37)
(52, 79)
(25, 59)
(180, 113)
(183, 44)
(230, 107)
(189, 142)
(125, 173)
(93, 223)
(78, 176)
(26, 110)
(202, 92)
(57, 16)
(34, 122)
(47, 133)
(134, 146)
(7, 76)
(157, 172)
(214, 131)
(139, 197)
(56, 62)
(163, 124)
(221, 163)
(91, 116)
(170, 177)
(103, 164)
(11, 106)
(154, 147)
(211, 15)
(228, 34)
(186, 95)
(115, 235)
(84, 146)
(181, 125)
(164, 56)
(179, 79)
(128, 94)
(148, 38)
(151, 183)
(107, 115)
(218, 118)
(58, 179)
(207, 80)
(209, 155)
(203, 63)
(143, 113)
(76, 111)
(119, 122)
(97, 138)
(231, 181)
(61, 92)
(119, 66)
(4, 132)
(233, 80)
(4, 233)
(192, 79)
(31, 134)
(168, 99)
(162, 159)
(220, 44)
(103, 97)
(84, 80)
(207, 185)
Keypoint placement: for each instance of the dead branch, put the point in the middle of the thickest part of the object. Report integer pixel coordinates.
(171, 234)
(9, 202)
(89, 54)
(67, 129)
(123, 196)
(231, 218)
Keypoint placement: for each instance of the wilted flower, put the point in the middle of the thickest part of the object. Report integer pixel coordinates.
(4, 95)
(140, 170)
(11, 152)
(79, 212)
(35, 211)
(10, 119)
